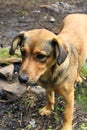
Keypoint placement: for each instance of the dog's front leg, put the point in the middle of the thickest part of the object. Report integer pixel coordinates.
(69, 106)
(50, 103)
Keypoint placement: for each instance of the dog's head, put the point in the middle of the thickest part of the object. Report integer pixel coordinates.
(40, 50)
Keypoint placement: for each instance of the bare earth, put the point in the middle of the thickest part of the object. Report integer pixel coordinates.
(19, 15)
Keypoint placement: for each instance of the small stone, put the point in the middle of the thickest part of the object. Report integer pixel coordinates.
(52, 19)
(32, 122)
(2, 22)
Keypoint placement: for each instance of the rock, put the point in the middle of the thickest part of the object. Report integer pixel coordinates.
(6, 72)
(14, 88)
(9, 90)
(36, 89)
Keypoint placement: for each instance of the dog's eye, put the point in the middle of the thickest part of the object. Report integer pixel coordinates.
(41, 57)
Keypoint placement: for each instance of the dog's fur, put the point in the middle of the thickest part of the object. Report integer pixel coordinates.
(54, 61)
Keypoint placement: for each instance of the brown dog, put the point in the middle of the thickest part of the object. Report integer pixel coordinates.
(54, 61)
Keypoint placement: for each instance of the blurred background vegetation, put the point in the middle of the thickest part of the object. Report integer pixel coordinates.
(81, 89)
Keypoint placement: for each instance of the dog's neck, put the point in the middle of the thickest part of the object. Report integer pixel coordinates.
(54, 75)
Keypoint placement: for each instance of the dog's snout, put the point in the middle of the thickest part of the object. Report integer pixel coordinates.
(23, 78)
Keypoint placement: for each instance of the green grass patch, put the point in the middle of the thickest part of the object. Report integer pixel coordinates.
(4, 52)
(81, 98)
(81, 90)
(84, 127)
(28, 127)
(5, 57)
(84, 69)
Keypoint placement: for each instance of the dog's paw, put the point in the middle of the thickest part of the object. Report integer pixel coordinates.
(45, 111)
(67, 128)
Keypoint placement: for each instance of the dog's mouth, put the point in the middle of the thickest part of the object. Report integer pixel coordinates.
(31, 84)
(24, 79)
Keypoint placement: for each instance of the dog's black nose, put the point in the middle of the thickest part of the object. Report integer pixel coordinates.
(23, 78)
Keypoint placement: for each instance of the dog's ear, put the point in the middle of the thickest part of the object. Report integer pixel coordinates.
(17, 41)
(60, 50)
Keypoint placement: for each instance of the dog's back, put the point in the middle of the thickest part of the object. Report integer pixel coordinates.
(74, 30)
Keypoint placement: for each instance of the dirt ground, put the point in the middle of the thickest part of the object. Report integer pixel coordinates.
(19, 15)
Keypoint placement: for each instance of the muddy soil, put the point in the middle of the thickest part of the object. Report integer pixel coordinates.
(19, 15)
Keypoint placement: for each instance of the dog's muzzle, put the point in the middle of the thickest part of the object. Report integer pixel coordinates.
(24, 78)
